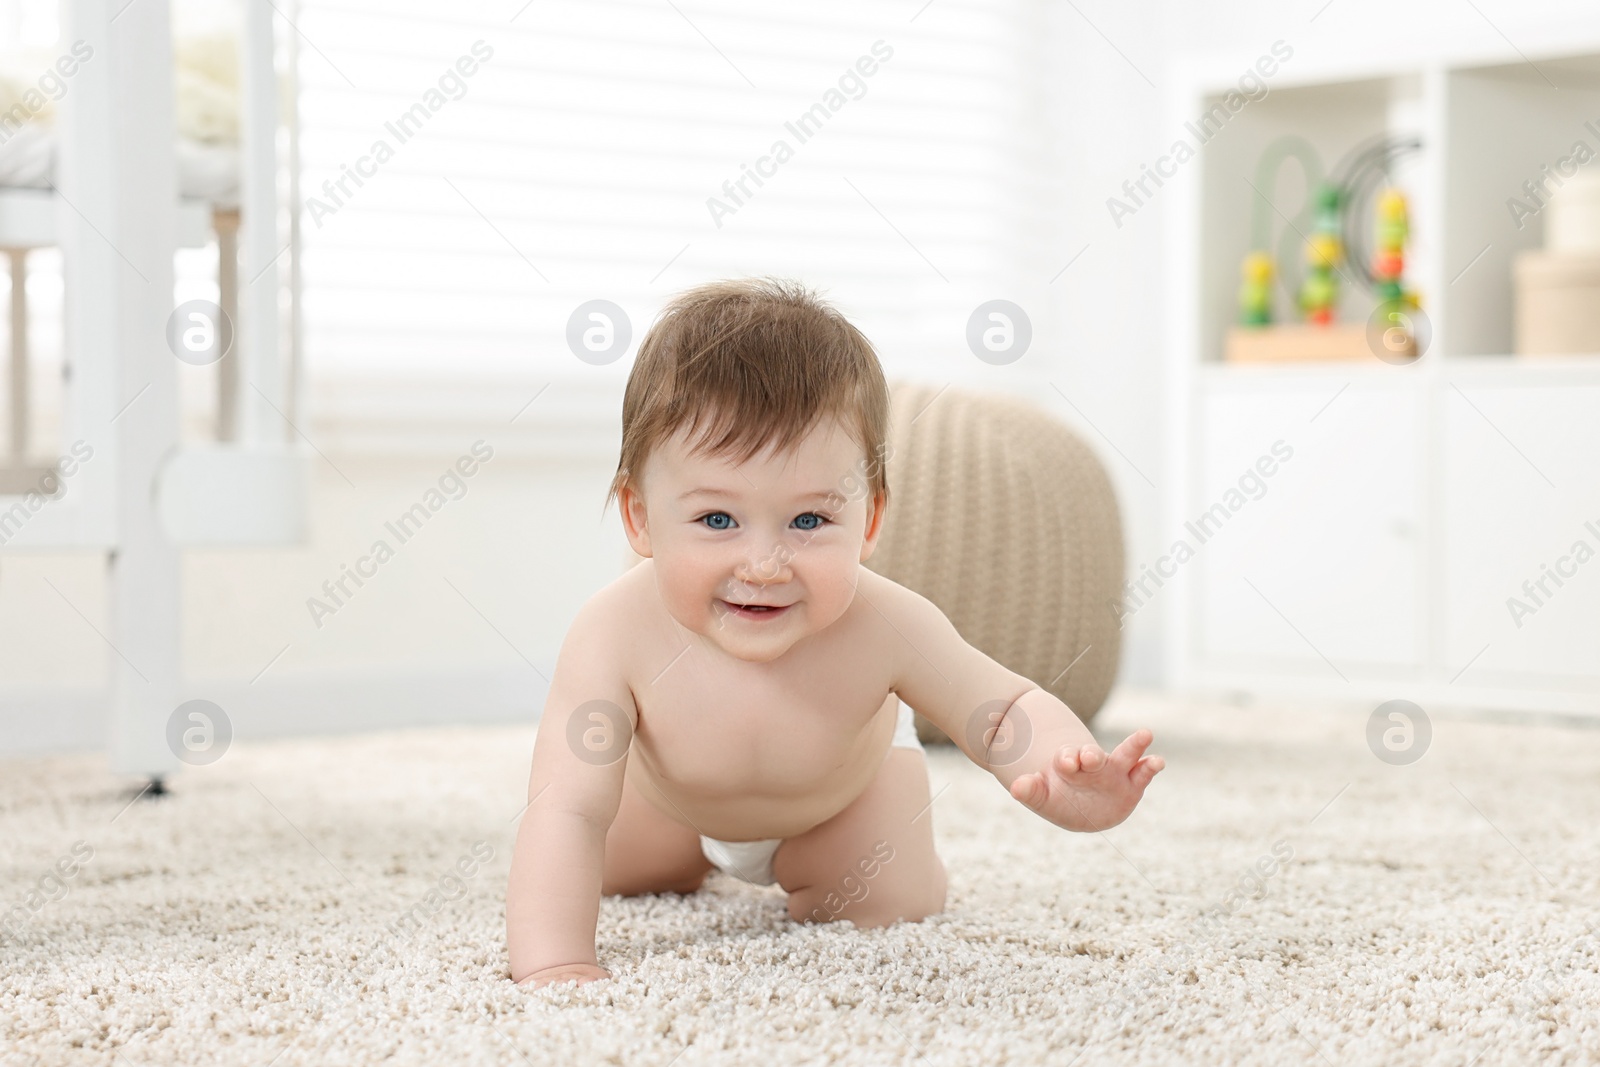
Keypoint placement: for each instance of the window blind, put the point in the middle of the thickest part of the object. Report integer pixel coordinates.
(626, 149)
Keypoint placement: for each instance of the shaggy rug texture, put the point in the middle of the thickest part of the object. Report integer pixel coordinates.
(1282, 896)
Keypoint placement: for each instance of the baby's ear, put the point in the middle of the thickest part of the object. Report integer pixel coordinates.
(635, 523)
(874, 525)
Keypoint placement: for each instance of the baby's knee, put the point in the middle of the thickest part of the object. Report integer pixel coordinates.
(873, 905)
(889, 913)
(884, 911)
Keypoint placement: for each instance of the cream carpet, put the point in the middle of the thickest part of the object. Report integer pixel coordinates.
(305, 903)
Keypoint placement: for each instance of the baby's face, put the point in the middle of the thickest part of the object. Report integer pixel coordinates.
(756, 556)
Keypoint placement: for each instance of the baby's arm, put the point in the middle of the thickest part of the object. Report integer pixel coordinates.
(1029, 740)
(553, 901)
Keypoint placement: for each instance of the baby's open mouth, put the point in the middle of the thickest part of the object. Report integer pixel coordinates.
(756, 611)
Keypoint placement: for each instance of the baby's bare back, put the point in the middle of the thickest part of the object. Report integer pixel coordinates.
(742, 750)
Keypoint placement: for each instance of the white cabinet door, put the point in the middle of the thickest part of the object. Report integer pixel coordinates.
(1521, 536)
(1313, 570)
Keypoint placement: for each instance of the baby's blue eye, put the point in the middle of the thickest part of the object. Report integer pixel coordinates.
(718, 520)
(809, 521)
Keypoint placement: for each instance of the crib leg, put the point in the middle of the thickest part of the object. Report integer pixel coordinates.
(19, 354)
(226, 224)
(114, 145)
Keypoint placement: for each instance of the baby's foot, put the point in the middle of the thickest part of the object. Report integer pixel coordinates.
(1086, 789)
(582, 973)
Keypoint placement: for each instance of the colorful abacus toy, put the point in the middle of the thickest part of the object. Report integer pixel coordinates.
(1255, 290)
(1319, 292)
(1357, 204)
(1389, 260)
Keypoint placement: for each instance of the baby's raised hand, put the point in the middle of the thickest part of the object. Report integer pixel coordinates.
(1083, 788)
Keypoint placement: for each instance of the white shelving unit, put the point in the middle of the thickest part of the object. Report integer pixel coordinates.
(1379, 560)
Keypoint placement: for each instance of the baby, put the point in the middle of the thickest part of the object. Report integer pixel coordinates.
(734, 701)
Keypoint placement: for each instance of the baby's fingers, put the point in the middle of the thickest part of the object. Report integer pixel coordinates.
(1070, 761)
(1066, 762)
(1030, 790)
(1090, 758)
(1132, 747)
(1145, 770)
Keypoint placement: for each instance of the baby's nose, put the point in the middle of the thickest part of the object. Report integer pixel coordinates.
(767, 569)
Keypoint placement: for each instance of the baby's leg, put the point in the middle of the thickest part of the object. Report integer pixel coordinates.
(874, 862)
(646, 852)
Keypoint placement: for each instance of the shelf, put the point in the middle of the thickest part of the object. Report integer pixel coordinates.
(1525, 371)
(1504, 125)
(1333, 119)
(1374, 370)
(1553, 42)
(1500, 365)
(1585, 360)
(1419, 497)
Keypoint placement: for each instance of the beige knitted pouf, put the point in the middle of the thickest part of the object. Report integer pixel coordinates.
(1004, 518)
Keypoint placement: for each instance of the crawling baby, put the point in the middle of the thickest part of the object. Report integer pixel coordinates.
(742, 698)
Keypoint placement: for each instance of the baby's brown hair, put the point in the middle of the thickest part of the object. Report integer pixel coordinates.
(750, 363)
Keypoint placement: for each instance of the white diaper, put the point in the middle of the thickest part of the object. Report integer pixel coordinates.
(751, 861)
(905, 730)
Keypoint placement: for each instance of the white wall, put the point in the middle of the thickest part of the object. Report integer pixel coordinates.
(525, 545)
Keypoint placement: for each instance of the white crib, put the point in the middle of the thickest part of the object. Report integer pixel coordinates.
(142, 495)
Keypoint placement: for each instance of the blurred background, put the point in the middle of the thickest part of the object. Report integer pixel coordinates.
(1343, 476)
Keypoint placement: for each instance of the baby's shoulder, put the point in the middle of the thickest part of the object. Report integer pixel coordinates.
(888, 601)
(617, 624)
(628, 616)
(621, 604)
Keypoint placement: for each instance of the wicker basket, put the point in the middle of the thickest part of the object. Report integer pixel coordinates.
(1558, 303)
